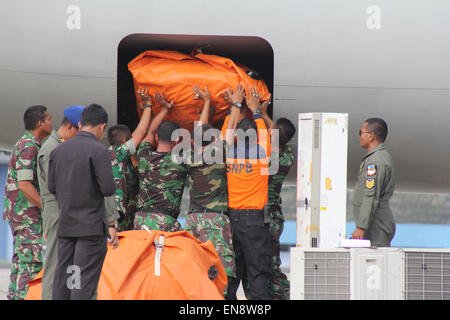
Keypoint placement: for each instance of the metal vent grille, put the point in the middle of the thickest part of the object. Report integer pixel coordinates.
(327, 275)
(313, 242)
(427, 276)
(316, 134)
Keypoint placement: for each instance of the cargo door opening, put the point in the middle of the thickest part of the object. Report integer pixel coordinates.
(253, 52)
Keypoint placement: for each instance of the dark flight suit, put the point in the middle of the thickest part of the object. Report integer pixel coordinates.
(373, 190)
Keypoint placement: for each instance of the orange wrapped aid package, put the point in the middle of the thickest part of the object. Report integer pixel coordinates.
(175, 73)
(157, 266)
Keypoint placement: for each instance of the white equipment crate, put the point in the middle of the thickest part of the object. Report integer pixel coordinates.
(321, 179)
(370, 274)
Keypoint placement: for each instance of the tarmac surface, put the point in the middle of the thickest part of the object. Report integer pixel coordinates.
(4, 280)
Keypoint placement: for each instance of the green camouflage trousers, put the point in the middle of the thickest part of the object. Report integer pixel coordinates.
(156, 221)
(215, 227)
(279, 286)
(27, 259)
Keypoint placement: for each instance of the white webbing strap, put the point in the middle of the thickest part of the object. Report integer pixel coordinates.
(159, 248)
(147, 229)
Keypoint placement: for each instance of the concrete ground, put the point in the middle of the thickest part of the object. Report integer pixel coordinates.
(4, 280)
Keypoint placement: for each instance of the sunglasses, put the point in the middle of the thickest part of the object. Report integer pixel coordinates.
(361, 132)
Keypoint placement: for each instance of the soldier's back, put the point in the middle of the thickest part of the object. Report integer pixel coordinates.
(123, 173)
(208, 184)
(161, 180)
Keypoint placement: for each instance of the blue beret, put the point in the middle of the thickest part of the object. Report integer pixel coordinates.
(73, 114)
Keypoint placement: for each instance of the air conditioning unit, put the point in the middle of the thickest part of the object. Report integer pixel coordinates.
(370, 274)
(427, 274)
(346, 274)
(321, 179)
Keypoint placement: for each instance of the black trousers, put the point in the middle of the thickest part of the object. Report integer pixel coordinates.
(80, 262)
(253, 253)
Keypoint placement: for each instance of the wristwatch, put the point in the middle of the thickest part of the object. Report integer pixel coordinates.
(237, 104)
(146, 106)
(115, 225)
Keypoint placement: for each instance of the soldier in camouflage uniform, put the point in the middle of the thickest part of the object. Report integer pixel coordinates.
(125, 177)
(22, 202)
(161, 180)
(279, 286)
(207, 217)
(123, 145)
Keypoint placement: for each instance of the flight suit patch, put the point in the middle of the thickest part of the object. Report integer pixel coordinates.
(371, 170)
(370, 183)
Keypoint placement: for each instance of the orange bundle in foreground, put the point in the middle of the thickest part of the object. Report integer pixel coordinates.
(174, 74)
(187, 269)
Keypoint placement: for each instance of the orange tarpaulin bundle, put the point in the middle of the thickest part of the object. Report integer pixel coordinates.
(187, 269)
(174, 74)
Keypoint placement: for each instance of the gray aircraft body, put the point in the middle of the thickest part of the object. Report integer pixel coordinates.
(382, 58)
